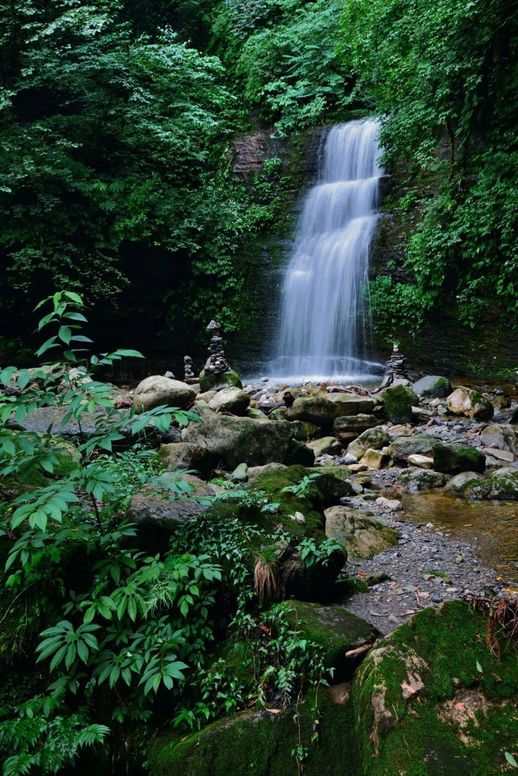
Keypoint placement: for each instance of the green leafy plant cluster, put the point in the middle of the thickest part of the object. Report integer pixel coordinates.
(443, 78)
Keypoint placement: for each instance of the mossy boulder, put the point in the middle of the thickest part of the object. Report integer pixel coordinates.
(398, 401)
(349, 427)
(471, 403)
(362, 536)
(415, 479)
(351, 404)
(503, 436)
(453, 459)
(231, 440)
(214, 382)
(432, 699)
(468, 485)
(313, 409)
(504, 484)
(335, 630)
(432, 386)
(261, 743)
(415, 444)
(325, 446)
(371, 439)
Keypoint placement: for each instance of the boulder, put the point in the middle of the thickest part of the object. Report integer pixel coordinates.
(469, 485)
(453, 459)
(347, 428)
(183, 455)
(397, 403)
(158, 512)
(471, 403)
(361, 536)
(375, 459)
(335, 630)
(432, 386)
(310, 581)
(500, 435)
(232, 399)
(256, 471)
(240, 473)
(371, 439)
(313, 409)
(256, 413)
(209, 381)
(157, 390)
(230, 440)
(430, 696)
(504, 484)
(350, 404)
(417, 444)
(415, 480)
(325, 446)
(261, 742)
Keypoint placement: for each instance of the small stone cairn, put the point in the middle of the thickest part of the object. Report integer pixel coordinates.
(189, 376)
(216, 362)
(395, 369)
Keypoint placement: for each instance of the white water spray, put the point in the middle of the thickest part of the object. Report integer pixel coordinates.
(324, 317)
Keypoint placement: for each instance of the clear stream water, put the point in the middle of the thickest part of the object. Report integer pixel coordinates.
(324, 318)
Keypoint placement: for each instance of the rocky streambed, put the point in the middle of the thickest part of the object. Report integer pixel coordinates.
(376, 487)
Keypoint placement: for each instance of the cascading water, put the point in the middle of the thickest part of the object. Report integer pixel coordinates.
(324, 320)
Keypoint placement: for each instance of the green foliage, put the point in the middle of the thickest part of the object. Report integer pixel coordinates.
(313, 553)
(286, 56)
(444, 79)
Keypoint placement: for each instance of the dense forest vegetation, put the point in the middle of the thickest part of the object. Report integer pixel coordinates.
(118, 120)
(116, 128)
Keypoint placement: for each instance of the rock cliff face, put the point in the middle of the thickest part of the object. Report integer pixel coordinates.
(262, 260)
(443, 344)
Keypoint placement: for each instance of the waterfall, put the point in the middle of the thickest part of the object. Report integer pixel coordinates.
(324, 316)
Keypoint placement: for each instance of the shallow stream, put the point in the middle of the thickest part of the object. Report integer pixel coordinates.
(490, 526)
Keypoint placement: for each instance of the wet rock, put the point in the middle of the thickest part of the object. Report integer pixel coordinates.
(471, 403)
(231, 399)
(256, 414)
(347, 404)
(157, 390)
(373, 438)
(452, 459)
(432, 386)
(397, 403)
(361, 536)
(348, 428)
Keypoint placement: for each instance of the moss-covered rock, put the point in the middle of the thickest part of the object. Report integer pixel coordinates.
(372, 439)
(398, 401)
(471, 403)
(349, 427)
(468, 485)
(433, 700)
(432, 386)
(314, 409)
(213, 382)
(361, 536)
(335, 630)
(351, 404)
(453, 459)
(415, 479)
(415, 444)
(261, 743)
(504, 484)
